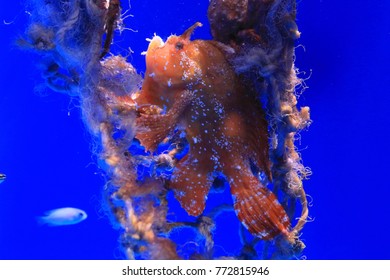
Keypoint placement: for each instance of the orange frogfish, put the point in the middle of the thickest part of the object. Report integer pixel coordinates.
(191, 85)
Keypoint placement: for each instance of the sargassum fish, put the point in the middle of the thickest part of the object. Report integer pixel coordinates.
(224, 124)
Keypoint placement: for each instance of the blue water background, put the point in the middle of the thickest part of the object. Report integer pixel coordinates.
(45, 149)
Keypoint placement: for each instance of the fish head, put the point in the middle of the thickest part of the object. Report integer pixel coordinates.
(174, 63)
(81, 215)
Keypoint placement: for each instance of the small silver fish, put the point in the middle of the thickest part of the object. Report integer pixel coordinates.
(2, 178)
(63, 217)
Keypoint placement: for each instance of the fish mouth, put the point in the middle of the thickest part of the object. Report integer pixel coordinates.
(155, 43)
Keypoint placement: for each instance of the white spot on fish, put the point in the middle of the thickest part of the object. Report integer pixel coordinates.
(63, 217)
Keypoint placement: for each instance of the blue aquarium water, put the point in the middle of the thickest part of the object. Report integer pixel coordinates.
(45, 149)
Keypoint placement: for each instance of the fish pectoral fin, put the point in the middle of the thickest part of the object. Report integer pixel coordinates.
(153, 129)
(191, 185)
(257, 207)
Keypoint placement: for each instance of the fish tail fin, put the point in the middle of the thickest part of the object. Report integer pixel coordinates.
(42, 221)
(256, 206)
(191, 185)
(45, 221)
(153, 129)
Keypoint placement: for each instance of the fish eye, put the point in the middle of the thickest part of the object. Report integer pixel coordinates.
(179, 45)
(81, 214)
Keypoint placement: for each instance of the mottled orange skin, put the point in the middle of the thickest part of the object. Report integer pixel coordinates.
(224, 125)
